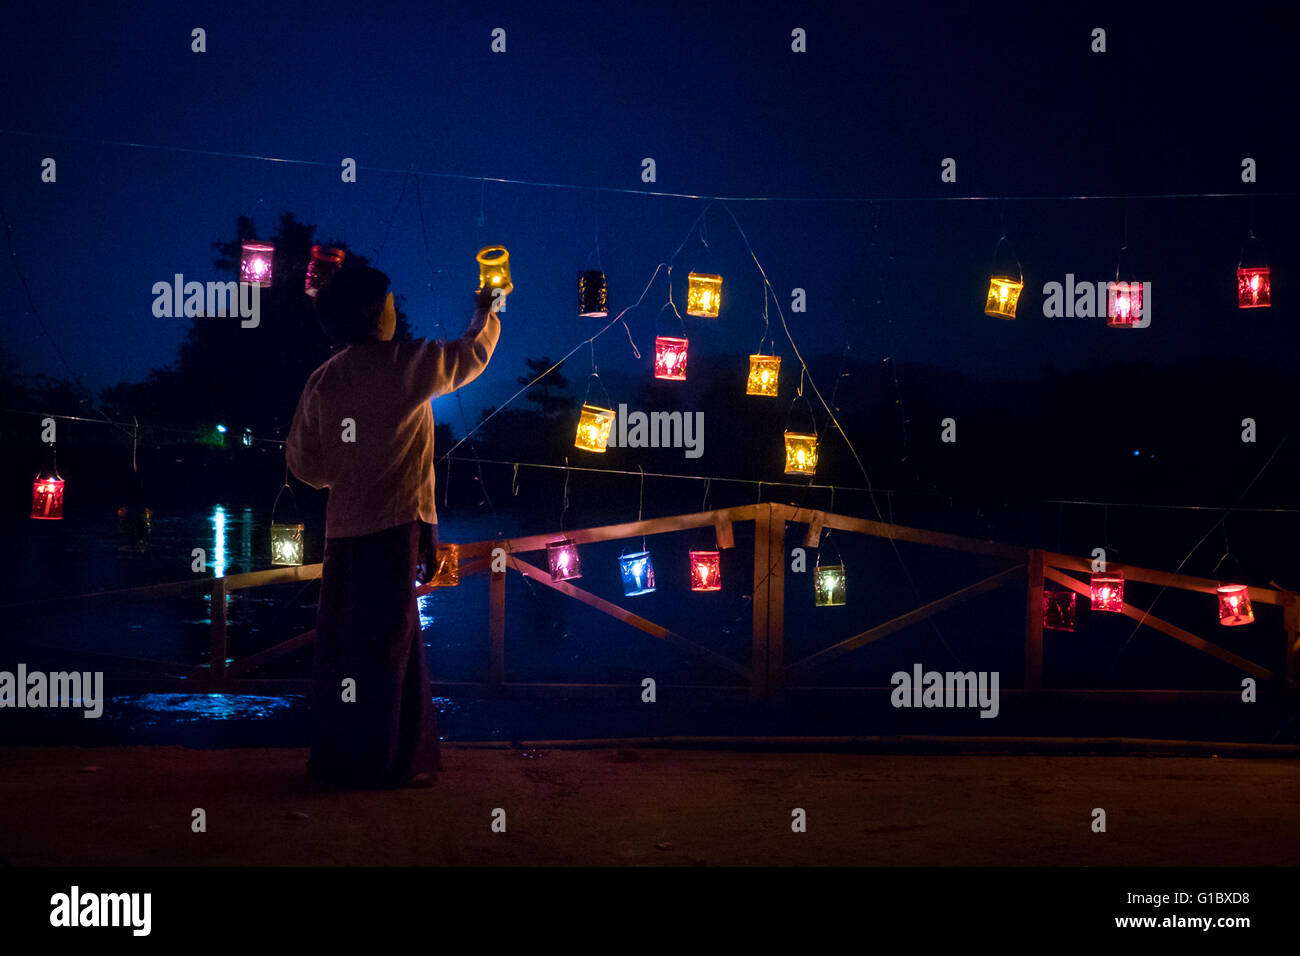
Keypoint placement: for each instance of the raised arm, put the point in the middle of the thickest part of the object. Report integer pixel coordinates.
(436, 369)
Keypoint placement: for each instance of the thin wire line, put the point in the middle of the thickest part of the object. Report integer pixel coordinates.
(634, 192)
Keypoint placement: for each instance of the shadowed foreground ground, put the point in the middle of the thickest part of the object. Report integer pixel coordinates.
(648, 807)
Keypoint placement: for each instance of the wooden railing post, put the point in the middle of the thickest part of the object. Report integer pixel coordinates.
(217, 655)
(1034, 623)
(759, 657)
(776, 608)
(497, 626)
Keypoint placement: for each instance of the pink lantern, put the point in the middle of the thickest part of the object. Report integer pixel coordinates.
(706, 571)
(1124, 305)
(1108, 592)
(670, 358)
(255, 264)
(562, 556)
(1234, 605)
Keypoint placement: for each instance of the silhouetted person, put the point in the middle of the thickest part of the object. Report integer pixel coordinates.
(364, 430)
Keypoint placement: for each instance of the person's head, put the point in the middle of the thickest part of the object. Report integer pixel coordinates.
(355, 306)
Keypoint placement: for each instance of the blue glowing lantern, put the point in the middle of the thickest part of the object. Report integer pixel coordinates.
(638, 573)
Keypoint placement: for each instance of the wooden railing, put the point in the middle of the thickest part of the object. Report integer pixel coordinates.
(767, 672)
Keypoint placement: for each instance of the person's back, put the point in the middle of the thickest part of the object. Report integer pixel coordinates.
(364, 430)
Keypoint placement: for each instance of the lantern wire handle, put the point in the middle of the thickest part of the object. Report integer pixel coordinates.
(514, 481)
(1019, 268)
(135, 444)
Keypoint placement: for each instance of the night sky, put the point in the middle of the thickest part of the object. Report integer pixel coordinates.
(717, 98)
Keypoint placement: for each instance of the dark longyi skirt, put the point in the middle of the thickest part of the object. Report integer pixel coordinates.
(368, 629)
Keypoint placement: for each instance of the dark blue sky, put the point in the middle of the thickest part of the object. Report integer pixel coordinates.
(584, 92)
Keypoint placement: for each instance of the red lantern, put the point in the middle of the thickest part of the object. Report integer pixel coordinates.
(47, 497)
(1253, 288)
(670, 358)
(1058, 610)
(1108, 592)
(324, 263)
(1234, 605)
(1124, 305)
(706, 571)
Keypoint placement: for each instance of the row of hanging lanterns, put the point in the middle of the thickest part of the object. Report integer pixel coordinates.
(1106, 593)
(256, 265)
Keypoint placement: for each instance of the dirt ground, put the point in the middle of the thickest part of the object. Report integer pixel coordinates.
(650, 807)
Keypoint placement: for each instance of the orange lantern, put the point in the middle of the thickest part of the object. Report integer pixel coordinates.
(594, 425)
(1234, 605)
(1108, 592)
(764, 373)
(800, 453)
(493, 267)
(1004, 293)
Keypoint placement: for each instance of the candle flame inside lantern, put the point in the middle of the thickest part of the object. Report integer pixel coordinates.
(1124, 304)
(800, 453)
(706, 571)
(594, 425)
(703, 295)
(1253, 288)
(764, 375)
(1004, 293)
(447, 559)
(1234, 605)
(1107, 592)
(562, 556)
(670, 358)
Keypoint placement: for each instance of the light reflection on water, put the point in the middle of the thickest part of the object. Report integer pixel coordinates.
(188, 708)
(219, 541)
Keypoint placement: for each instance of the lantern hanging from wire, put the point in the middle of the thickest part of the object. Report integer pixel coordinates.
(325, 261)
(703, 295)
(1253, 288)
(1107, 591)
(47, 496)
(638, 573)
(493, 267)
(594, 424)
(1059, 610)
(286, 543)
(593, 298)
(1004, 286)
(562, 557)
(764, 374)
(447, 562)
(1123, 304)
(255, 263)
(829, 585)
(670, 358)
(800, 453)
(1234, 605)
(706, 571)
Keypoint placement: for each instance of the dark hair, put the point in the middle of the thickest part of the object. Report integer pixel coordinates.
(350, 303)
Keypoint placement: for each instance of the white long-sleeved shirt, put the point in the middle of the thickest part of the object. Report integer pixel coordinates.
(364, 429)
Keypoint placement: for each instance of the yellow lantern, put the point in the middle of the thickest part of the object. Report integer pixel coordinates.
(703, 295)
(800, 453)
(493, 267)
(764, 371)
(286, 544)
(1004, 293)
(593, 428)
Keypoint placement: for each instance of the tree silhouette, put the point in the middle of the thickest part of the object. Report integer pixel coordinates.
(550, 394)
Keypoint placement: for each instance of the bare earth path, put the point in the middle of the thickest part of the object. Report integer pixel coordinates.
(650, 807)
